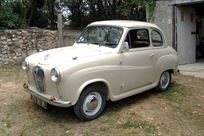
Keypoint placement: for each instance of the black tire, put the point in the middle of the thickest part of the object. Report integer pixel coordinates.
(90, 91)
(165, 86)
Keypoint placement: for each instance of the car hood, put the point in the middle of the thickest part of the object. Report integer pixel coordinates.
(61, 55)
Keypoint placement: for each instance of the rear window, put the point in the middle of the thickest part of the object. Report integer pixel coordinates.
(156, 38)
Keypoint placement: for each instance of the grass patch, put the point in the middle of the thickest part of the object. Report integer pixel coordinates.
(87, 134)
(147, 127)
(200, 122)
(12, 73)
(10, 66)
(175, 94)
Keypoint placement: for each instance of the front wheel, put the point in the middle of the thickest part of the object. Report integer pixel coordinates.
(165, 81)
(91, 103)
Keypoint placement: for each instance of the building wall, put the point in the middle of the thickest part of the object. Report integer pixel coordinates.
(163, 17)
(186, 1)
(186, 41)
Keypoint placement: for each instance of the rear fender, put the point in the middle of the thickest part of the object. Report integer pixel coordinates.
(164, 63)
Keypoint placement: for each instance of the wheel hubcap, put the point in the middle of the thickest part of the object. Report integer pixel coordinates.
(92, 103)
(165, 78)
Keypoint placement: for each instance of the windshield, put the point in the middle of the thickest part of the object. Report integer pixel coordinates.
(101, 35)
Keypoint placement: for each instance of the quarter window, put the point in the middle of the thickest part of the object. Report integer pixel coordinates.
(156, 38)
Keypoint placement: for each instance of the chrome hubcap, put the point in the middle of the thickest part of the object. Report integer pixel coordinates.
(92, 103)
(165, 79)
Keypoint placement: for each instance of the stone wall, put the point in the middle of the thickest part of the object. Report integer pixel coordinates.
(17, 44)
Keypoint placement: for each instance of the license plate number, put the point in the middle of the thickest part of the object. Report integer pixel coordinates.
(39, 102)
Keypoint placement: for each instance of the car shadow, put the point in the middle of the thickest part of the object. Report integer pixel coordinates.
(135, 99)
(67, 114)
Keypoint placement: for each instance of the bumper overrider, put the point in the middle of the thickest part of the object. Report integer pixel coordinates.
(48, 98)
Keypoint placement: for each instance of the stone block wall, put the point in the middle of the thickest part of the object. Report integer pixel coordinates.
(17, 44)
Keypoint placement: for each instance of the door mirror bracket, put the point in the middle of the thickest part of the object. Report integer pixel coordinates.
(125, 46)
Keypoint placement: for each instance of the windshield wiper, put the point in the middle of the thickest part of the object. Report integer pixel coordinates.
(111, 45)
(98, 43)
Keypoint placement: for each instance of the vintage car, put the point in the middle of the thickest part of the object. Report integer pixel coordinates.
(110, 60)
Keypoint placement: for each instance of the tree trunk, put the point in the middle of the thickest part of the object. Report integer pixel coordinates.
(33, 7)
(51, 11)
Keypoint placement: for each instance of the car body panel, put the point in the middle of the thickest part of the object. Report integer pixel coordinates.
(124, 72)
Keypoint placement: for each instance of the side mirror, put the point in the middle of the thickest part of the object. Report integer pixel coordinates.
(125, 46)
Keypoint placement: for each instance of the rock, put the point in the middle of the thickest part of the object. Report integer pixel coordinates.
(18, 33)
(15, 57)
(3, 38)
(20, 41)
(4, 42)
(14, 39)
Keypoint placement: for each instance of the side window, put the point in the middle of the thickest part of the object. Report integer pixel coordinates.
(156, 38)
(138, 38)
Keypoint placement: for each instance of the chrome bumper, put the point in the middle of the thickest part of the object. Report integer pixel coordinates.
(46, 98)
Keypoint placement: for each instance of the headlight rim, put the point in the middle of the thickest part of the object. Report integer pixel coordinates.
(57, 75)
(25, 64)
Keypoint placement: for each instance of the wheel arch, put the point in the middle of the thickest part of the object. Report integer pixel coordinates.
(100, 82)
(166, 63)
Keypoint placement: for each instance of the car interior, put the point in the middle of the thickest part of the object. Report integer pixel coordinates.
(138, 38)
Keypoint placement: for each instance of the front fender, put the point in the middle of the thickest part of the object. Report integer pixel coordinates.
(89, 82)
(73, 84)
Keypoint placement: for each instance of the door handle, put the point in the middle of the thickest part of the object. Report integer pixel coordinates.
(151, 55)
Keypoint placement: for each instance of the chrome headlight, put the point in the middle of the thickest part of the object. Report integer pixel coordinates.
(25, 65)
(55, 75)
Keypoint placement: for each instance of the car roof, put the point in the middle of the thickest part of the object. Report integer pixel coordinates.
(124, 23)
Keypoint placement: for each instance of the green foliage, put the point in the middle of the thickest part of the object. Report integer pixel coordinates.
(76, 7)
(41, 13)
(148, 128)
(16, 14)
(107, 10)
(9, 18)
(175, 93)
(132, 9)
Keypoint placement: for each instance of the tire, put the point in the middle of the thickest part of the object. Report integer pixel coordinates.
(164, 81)
(91, 103)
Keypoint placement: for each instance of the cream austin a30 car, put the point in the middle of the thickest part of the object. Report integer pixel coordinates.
(110, 60)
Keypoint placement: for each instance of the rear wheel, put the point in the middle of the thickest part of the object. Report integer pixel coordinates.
(165, 81)
(91, 103)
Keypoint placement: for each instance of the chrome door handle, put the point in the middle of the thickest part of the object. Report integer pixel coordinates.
(151, 55)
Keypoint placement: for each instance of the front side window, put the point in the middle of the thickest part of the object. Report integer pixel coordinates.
(101, 35)
(138, 38)
(156, 38)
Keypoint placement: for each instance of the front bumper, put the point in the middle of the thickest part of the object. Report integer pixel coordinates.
(46, 98)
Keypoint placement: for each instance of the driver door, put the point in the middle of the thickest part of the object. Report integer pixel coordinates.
(137, 62)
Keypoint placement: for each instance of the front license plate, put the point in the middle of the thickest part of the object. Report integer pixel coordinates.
(39, 102)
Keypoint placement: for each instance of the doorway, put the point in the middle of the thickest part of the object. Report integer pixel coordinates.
(189, 33)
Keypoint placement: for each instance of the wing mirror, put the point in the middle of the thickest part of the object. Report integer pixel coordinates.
(125, 46)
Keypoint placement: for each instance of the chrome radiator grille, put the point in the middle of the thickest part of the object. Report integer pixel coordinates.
(38, 75)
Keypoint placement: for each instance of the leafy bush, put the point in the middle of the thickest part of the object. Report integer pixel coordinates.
(9, 19)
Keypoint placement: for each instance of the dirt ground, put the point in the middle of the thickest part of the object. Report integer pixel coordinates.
(176, 112)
